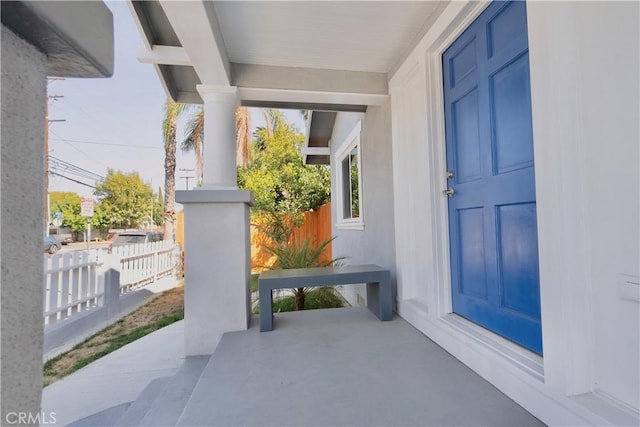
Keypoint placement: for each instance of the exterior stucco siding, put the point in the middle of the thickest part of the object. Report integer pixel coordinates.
(586, 146)
(375, 244)
(585, 137)
(22, 193)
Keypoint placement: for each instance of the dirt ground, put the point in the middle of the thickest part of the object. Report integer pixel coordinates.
(168, 304)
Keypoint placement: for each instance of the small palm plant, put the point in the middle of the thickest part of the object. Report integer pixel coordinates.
(303, 255)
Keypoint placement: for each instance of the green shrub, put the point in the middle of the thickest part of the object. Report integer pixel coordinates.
(254, 282)
(299, 255)
(324, 297)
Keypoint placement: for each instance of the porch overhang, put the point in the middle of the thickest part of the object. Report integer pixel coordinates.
(266, 51)
(77, 37)
(315, 150)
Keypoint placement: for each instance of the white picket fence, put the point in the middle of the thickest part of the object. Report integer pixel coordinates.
(72, 285)
(75, 281)
(144, 263)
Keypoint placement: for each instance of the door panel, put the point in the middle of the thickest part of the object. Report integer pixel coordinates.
(467, 150)
(464, 62)
(472, 255)
(505, 29)
(519, 258)
(511, 110)
(492, 214)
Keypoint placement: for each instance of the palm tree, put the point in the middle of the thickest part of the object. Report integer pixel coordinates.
(269, 121)
(243, 136)
(193, 139)
(172, 110)
(194, 135)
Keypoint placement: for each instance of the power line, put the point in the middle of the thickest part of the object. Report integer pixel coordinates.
(79, 150)
(71, 179)
(73, 169)
(108, 143)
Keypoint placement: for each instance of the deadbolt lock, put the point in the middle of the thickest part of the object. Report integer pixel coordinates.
(449, 174)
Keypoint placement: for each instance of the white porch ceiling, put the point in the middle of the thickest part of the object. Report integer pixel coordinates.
(295, 53)
(336, 35)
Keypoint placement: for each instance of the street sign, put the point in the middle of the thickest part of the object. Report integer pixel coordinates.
(57, 219)
(86, 207)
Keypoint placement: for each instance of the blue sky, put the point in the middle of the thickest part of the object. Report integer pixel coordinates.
(116, 122)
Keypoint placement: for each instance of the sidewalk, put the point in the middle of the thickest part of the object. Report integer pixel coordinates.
(116, 379)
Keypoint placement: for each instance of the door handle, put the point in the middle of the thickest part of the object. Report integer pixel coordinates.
(448, 192)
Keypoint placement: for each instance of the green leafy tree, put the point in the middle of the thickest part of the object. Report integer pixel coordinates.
(68, 204)
(279, 180)
(158, 208)
(125, 200)
(100, 220)
(283, 188)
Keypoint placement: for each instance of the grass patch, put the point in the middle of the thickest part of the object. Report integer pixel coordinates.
(162, 311)
(254, 282)
(324, 297)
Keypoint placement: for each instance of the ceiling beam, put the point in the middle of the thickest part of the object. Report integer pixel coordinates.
(308, 79)
(164, 55)
(196, 25)
(309, 100)
(315, 151)
(142, 25)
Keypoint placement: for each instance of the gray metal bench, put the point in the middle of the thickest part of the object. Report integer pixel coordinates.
(378, 280)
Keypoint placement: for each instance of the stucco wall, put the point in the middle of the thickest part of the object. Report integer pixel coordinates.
(585, 109)
(375, 244)
(585, 97)
(22, 193)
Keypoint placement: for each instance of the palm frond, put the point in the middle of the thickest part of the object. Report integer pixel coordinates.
(172, 110)
(194, 137)
(193, 133)
(302, 255)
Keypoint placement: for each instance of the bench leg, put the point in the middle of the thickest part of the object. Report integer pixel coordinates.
(379, 299)
(266, 310)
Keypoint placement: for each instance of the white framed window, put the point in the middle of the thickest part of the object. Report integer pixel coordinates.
(349, 182)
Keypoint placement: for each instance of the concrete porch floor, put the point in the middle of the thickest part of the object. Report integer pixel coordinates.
(338, 367)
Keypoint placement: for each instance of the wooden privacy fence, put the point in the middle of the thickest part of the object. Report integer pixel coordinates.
(316, 226)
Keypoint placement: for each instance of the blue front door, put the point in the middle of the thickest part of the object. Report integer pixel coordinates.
(492, 211)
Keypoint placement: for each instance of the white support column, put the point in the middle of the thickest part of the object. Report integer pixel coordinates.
(219, 145)
(217, 239)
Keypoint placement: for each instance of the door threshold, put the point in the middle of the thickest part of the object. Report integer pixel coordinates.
(524, 359)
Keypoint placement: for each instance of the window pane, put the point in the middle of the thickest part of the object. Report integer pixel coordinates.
(355, 197)
(346, 190)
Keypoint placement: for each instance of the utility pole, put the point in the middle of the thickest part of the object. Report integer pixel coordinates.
(47, 213)
(187, 178)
